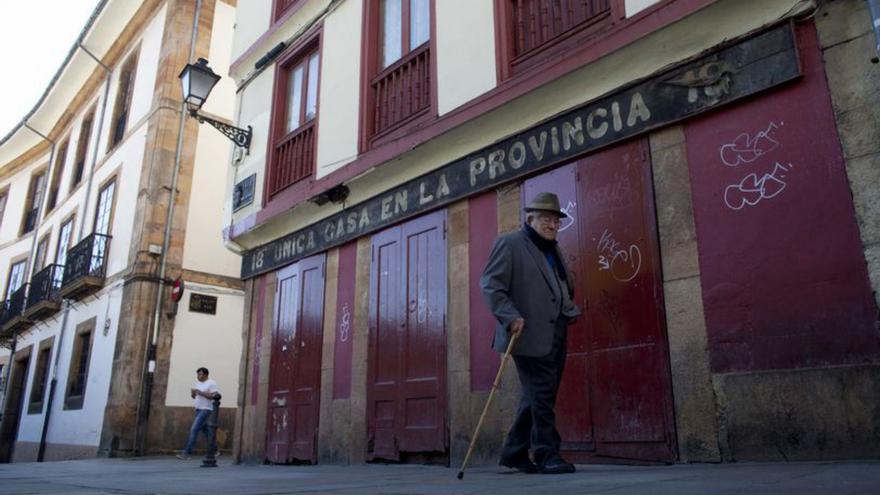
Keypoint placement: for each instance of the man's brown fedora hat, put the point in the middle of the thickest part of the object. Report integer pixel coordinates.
(546, 201)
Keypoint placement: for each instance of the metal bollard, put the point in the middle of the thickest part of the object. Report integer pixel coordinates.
(210, 459)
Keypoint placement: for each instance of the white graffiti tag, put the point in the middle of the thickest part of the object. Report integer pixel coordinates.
(746, 149)
(751, 190)
(569, 221)
(345, 323)
(624, 264)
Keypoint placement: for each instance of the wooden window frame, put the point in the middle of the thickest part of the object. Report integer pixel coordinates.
(82, 149)
(45, 240)
(53, 185)
(122, 102)
(13, 262)
(40, 378)
(300, 52)
(4, 198)
(32, 204)
(371, 70)
(86, 327)
(281, 12)
(71, 220)
(509, 66)
(104, 185)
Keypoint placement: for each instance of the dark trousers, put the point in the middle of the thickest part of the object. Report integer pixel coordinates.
(535, 423)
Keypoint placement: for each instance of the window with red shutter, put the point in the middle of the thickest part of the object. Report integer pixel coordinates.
(537, 30)
(294, 114)
(399, 73)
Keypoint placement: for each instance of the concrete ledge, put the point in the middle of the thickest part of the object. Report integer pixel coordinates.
(826, 413)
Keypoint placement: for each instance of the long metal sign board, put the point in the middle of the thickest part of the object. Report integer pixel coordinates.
(755, 64)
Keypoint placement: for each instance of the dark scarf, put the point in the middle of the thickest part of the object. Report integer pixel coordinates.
(547, 247)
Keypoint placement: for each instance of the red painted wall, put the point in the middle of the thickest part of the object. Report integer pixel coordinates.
(344, 321)
(784, 278)
(482, 231)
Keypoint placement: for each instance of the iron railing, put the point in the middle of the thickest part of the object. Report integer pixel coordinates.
(17, 302)
(87, 259)
(5, 314)
(45, 285)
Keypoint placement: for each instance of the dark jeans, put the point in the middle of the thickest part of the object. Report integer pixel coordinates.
(200, 425)
(535, 423)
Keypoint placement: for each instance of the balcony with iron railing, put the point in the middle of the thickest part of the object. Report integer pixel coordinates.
(14, 317)
(4, 317)
(86, 267)
(43, 298)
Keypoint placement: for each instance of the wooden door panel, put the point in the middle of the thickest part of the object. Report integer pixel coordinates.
(573, 410)
(407, 362)
(281, 365)
(295, 364)
(632, 406)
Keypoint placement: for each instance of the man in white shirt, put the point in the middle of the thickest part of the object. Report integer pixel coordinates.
(203, 392)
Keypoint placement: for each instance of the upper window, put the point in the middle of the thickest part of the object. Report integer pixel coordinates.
(64, 236)
(32, 203)
(281, 7)
(82, 146)
(536, 30)
(3, 195)
(104, 211)
(42, 252)
(294, 113)
(16, 277)
(41, 377)
(399, 70)
(122, 107)
(78, 373)
(57, 171)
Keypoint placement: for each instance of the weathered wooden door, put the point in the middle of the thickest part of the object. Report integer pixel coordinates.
(406, 385)
(632, 407)
(616, 395)
(574, 412)
(295, 364)
(13, 404)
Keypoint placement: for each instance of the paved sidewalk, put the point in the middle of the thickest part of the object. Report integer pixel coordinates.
(170, 476)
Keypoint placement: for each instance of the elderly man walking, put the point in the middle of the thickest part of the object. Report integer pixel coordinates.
(530, 290)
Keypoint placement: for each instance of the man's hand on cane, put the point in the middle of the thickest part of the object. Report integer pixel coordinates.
(517, 327)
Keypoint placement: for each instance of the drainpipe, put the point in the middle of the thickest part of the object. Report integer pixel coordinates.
(143, 414)
(64, 318)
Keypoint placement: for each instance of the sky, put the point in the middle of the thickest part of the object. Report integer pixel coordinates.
(35, 37)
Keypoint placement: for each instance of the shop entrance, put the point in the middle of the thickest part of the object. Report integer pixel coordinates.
(406, 374)
(13, 404)
(616, 396)
(295, 366)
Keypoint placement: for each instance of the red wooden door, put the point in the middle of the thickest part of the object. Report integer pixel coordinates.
(406, 388)
(295, 365)
(616, 398)
(632, 408)
(574, 418)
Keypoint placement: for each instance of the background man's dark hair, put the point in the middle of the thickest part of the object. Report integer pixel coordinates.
(203, 370)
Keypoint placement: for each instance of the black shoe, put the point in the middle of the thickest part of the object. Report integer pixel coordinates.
(521, 464)
(555, 465)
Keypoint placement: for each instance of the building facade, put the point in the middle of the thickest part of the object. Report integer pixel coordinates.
(109, 192)
(717, 159)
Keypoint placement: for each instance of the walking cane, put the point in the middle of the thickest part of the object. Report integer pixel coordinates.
(488, 402)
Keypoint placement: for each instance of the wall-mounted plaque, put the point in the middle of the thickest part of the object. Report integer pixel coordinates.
(202, 303)
(243, 193)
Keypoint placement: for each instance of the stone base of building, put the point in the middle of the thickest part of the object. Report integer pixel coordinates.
(28, 451)
(815, 414)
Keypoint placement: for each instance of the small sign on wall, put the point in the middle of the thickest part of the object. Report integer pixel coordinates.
(202, 303)
(243, 193)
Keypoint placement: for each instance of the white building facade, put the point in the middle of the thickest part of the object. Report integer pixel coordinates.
(109, 193)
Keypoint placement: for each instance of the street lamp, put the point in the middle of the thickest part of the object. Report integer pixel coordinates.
(197, 81)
